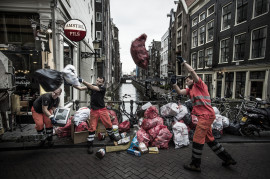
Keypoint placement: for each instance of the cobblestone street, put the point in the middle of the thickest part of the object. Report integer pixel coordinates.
(253, 161)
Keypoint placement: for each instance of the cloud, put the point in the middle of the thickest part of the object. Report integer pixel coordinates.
(135, 17)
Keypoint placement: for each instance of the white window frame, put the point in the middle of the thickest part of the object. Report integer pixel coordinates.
(196, 21)
(99, 1)
(100, 15)
(253, 11)
(223, 29)
(212, 12)
(234, 48)
(181, 35)
(181, 20)
(198, 59)
(220, 52)
(192, 41)
(250, 53)
(206, 30)
(100, 36)
(199, 36)
(192, 65)
(206, 54)
(235, 20)
(200, 20)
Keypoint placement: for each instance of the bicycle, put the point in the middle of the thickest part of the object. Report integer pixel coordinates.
(224, 108)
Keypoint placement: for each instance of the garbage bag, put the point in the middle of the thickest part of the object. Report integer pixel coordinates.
(182, 112)
(49, 79)
(124, 126)
(216, 110)
(180, 137)
(233, 129)
(113, 117)
(187, 119)
(64, 131)
(225, 122)
(70, 75)
(82, 127)
(217, 123)
(143, 136)
(153, 132)
(151, 112)
(216, 133)
(134, 143)
(170, 109)
(81, 115)
(139, 53)
(163, 138)
(150, 123)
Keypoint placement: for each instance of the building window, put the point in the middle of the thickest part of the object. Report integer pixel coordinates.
(98, 35)
(239, 47)
(195, 38)
(195, 21)
(226, 16)
(241, 11)
(210, 10)
(202, 16)
(201, 60)
(98, 1)
(98, 17)
(194, 60)
(210, 31)
(258, 42)
(209, 57)
(179, 20)
(224, 50)
(240, 84)
(260, 7)
(179, 36)
(201, 37)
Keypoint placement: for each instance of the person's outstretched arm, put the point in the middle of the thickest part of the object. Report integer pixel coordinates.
(189, 68)
(177, 89)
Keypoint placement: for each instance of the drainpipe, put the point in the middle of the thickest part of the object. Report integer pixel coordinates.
(53, 4)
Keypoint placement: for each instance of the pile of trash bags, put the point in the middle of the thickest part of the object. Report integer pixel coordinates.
(152, 131)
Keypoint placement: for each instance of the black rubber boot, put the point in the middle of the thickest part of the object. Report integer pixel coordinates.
(196, 158)
(112, 136)
(90, 142)
(222, 153)
(90, 147)
(42, 142)
(49, 132)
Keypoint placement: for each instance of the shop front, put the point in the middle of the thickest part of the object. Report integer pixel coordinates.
(26, 45)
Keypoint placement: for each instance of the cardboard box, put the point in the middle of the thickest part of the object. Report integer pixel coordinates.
(78, 137)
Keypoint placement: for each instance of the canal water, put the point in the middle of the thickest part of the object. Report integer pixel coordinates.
(134, 94)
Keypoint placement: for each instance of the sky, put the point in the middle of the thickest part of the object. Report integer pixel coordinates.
(135, 17)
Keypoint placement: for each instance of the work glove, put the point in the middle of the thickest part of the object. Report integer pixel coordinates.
(173, 79)
(180, 59)
(52, 118)
(80, 80)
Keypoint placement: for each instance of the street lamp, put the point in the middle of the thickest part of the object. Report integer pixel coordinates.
(90, 54)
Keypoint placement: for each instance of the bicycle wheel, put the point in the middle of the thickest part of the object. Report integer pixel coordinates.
(119, 115)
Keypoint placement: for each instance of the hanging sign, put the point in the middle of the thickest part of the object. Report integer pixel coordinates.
(42, 41)
(75, 30)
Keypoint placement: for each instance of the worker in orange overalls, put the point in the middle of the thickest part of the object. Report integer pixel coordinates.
(98, 111)
(42, 113)
(198, 93)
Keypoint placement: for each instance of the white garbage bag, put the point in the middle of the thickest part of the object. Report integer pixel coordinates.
(225, 122)
(81, 115)
(70, 75)
(170, 109)
(182, 113)
(146, 106)
(217, 124)
(216, 110)
(180, 137)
